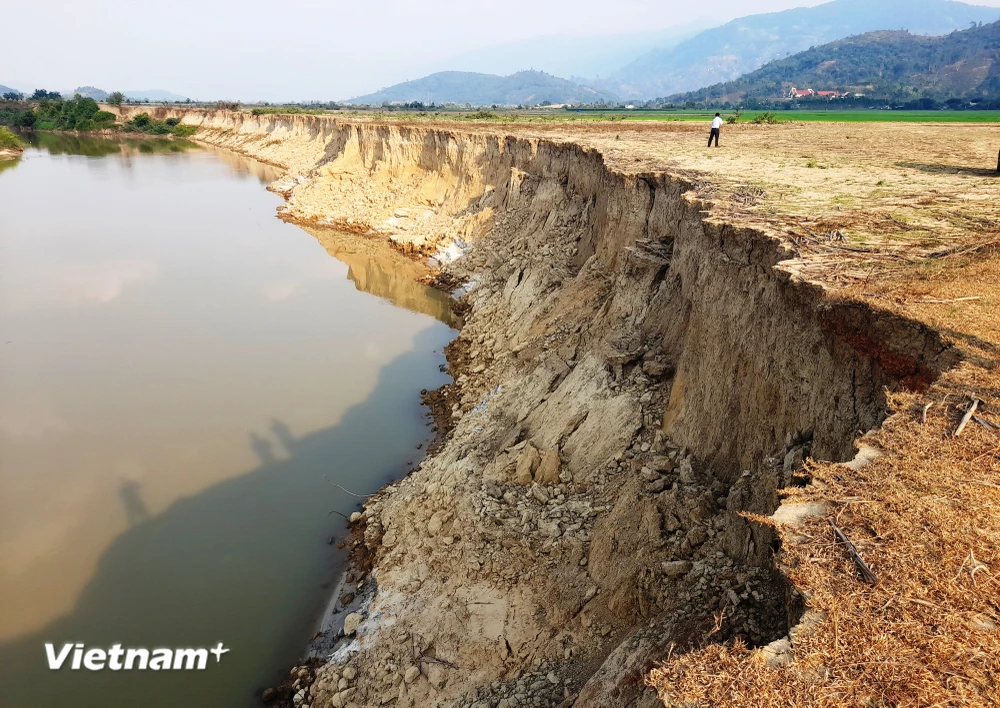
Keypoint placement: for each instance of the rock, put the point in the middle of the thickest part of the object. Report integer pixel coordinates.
(268, 695)
(355, 517)
(436, 676)
(552, 678)
(540, 494)
(548, 468)
(436, 522)
(697, 536)
(336, 701)
(527, 463)
(656, 486)
(662, 463)
(778, 653)
(351, 623)
(347, 598)
(793, 461)
(675, 569)
(549, 528)
(299, 698)
(350, 673)
(411, 674)
(686, 471)
(343, 684)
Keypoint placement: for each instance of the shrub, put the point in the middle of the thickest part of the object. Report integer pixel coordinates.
(25, 119)
(141, 120)
(184, 131)
(482, 115)
(10, 141)
(765, 118)
(734, 119)
(172, 121)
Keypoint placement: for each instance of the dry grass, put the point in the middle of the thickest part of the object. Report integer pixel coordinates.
(925, 516)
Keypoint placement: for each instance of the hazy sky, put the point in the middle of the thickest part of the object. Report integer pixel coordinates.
(290, 50)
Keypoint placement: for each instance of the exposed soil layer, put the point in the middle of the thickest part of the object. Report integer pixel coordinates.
(636, 380)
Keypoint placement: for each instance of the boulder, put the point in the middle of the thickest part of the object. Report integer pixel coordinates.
(527, 463)
(548, 468)
(351, 623)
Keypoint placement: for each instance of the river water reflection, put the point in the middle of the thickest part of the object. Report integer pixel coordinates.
(183, 377)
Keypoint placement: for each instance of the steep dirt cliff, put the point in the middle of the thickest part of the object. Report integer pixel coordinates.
(634, 377)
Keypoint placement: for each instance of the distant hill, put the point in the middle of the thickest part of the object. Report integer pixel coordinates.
(89, 92)
(566, 55)
(893, 65)
(7, 89)
(461, 87)
(744, 45)
(154, 95)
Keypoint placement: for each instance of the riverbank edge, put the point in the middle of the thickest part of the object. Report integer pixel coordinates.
(458, 371)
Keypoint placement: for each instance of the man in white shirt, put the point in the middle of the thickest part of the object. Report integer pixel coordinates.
(716, 126)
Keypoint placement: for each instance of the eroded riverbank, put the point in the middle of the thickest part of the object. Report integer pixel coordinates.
(637, 381)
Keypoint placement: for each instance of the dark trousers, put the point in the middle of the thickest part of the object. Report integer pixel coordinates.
(713, 134)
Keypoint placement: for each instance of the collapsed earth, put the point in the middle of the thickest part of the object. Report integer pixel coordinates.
(677, 369)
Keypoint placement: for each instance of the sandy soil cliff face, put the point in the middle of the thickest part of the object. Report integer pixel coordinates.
(632, 378)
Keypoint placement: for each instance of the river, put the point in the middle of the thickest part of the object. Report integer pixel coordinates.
(184, 379)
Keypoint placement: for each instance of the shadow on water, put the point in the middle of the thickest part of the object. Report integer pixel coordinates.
(212, 567)
(136, 510)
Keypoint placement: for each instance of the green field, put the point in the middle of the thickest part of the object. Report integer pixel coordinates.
(850, 116)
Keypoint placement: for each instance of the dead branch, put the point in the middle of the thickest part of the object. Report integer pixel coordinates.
(926, 408)
(359, 496)
(967, 417)
(986, 423)
(866, 573)
(948, 302)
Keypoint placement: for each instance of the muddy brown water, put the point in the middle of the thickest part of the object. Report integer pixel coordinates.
(183, 379)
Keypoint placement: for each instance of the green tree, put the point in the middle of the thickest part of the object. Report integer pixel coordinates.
(117, 98)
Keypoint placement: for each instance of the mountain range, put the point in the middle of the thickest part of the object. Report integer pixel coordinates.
(678, 62)
(884, 65)
(744, 45)
(568, 56)
(461, 87)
